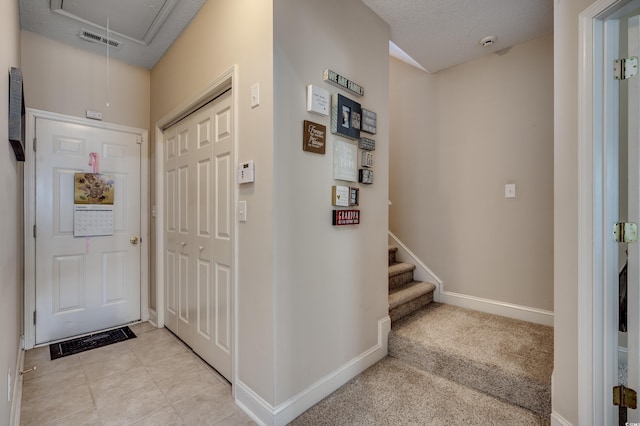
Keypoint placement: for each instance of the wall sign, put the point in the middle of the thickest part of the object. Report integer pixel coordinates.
(366, 159)
(345, 161)
(345, 217)
(314, 137)
(340, 196)
(343, 82)
(354, 196)
(317, 100)
(369, 121)
(367, 144)
(365, 176)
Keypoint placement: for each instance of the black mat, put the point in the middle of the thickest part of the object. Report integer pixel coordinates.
(93, 341)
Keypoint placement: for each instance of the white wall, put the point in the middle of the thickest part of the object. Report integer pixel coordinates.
(66, 80)
(11, 248)
(330, 282)
(565, 373)
(457, 137)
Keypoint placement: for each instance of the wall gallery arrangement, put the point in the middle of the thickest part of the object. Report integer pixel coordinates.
(352, 154)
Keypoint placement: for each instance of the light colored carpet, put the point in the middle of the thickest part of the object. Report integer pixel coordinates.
(394, 393)
(506, 358)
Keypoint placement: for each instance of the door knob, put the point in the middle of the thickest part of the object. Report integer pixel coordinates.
(134, 240)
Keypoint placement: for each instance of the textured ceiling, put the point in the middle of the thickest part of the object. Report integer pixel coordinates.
(132, 22)
(441, 33)
(437, 34)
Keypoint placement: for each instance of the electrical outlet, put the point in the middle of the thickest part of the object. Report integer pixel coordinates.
(9, 385)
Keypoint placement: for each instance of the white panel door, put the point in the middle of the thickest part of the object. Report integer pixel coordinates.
(84, 284)
(198, 171)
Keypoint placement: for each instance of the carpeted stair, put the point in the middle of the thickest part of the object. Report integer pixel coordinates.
(505, 358)
(405, 294)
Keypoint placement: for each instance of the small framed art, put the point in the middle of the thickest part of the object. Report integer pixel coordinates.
(345, 116)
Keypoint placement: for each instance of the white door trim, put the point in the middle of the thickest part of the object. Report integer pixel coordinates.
(599, 34)
(30, 212)
(226, 80)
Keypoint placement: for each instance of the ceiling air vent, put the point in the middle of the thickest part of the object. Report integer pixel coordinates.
(99, 38)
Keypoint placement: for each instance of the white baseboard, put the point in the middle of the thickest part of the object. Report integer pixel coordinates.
(495, 307)
(16, 393)
(424, 273)
(264, 413)
(558, 420)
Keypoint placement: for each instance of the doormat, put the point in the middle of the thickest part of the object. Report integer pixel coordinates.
(93, 341)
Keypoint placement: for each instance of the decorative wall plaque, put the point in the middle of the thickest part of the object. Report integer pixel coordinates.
(340, 196)
(345, 161)
(369, 121)
(354, 196)
(366, 143)
(343, 82)
(317, 100)
(365, 176)
(314, 137)
(345, 217)
(366, 159)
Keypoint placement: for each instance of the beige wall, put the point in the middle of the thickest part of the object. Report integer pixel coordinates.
(457, 137)
(11, 258)
(66, 80)
(331, 283)
(224, 33)
(565, 373)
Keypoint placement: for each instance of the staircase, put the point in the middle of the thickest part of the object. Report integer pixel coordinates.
(405, 294)
(504, 358)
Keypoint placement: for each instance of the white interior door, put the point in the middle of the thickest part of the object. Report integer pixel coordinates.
(84, 284)
(198, 177)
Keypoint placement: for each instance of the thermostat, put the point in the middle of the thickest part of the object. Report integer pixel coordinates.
(246, 172)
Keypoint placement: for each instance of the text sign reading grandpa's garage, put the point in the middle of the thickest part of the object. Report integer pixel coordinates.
(346, 217)
(344, 82)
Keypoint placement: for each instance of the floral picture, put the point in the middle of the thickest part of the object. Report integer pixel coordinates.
(93, 188)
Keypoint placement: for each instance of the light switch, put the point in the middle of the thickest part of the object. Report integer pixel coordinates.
(510, 190)
(242, 211)
(255, 95)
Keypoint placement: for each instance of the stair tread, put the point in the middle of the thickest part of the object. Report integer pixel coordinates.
(400, 268)
(393, 249)
(408, 292)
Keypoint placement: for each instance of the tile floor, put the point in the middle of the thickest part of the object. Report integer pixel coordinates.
(151, 380)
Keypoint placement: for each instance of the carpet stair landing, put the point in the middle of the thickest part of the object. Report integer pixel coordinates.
(405, 294)
(505, 358)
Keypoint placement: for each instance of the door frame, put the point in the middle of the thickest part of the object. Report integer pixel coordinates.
(599, 32)
(227, 80)
(30, 212)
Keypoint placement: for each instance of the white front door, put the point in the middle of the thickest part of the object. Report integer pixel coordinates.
(198, 167)
(84, 284)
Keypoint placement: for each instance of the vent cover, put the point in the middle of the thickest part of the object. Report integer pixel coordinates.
(99, 38)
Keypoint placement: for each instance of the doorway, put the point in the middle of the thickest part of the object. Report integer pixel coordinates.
(79, 281)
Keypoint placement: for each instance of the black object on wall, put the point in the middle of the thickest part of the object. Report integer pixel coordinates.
(16, 113)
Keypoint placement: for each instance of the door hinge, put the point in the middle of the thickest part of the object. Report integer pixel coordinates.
(625, 68)
(34, 317)
(34, 231)
(34, 144)
(625, 232)
(139, 139)
(625, 397)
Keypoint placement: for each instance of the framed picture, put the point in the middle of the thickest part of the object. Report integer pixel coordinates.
(345, 161)
(346, 116)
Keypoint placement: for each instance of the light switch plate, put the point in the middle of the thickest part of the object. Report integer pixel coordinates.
(510, 190)
(242, 211)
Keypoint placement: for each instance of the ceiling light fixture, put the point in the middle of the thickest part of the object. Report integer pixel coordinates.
(488, 41)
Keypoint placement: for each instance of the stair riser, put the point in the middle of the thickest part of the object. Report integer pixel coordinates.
(520, 391)
(400, 279)
(410, 307)
(392, 257)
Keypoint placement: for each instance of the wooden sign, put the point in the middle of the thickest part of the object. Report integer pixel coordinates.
(369, 121)
(314, 137)
(345, 217)
(317, 100)
(365, 176)
(343, 82)
(340, 196)
(367, 144)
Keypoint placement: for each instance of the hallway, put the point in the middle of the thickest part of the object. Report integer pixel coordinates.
(153, 379)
